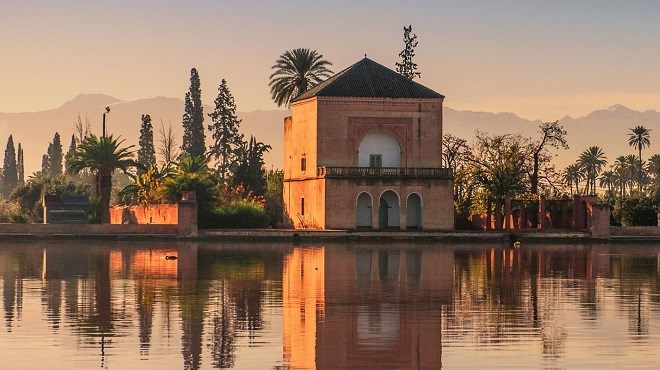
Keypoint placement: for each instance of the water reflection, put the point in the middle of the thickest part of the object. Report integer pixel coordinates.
(360, 306)
(335, 306)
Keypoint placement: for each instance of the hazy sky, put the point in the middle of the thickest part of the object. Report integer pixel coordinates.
(540, 59)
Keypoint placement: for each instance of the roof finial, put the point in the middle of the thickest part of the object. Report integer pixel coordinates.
(365, 55)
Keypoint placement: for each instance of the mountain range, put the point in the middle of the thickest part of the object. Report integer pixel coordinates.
(607, 128)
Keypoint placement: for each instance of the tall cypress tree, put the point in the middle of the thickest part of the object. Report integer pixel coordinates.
(147, 153)
(407, 67)
(9, 172)
(224, 130)
(193, 119)
(20, 163)
(45, 162)
(72, 149)
(55, 156)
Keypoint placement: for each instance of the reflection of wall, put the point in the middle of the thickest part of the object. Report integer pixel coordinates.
(365, 307)
(302, 297)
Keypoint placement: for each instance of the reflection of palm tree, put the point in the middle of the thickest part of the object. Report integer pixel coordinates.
(592, 161)
(103, 156)
(639, 139)
(145, 310)
(192, 300)
(8, 292)
(223, 331)
(296, 71)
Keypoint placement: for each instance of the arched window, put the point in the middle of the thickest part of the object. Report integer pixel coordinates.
(388, 210)
(363, 211)
(414, 211)
(379, 149)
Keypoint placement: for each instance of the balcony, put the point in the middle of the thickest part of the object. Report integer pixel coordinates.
(385, 173)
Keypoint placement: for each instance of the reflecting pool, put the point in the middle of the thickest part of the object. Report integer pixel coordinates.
(167, 305)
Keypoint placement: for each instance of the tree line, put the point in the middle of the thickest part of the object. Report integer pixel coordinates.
(494, 167)
(231, 165)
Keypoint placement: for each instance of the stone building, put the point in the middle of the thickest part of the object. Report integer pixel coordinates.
(363, 150)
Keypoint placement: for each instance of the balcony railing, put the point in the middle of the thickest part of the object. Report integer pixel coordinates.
(386, 172)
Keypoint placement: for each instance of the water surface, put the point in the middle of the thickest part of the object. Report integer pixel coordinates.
(256, 306)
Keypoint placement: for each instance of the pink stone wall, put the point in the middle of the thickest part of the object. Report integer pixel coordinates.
(327, 131)
(161, 214)
(437, 201)
(313, 191)
(343, 122)
(599, 220)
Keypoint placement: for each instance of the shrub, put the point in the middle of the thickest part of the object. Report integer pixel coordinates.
(28, 196)
(637, 211)
(202, 183)
(239, 215)
(274, 205)
(11, 213)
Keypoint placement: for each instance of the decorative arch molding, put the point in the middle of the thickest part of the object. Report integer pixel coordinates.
(393, 191)
(401, 128)
(415, 193)
(382, 145)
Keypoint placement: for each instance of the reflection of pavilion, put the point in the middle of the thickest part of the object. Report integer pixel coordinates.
(350, 308)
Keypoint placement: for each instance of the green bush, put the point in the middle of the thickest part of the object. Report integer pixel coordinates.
(29, 195)
(636, 211)
(274, 204)
(202, 183)
(11, 213)
(240, 215)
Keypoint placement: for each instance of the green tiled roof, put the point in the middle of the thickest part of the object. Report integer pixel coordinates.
(368, 79)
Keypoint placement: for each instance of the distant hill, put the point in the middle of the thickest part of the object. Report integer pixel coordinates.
(607, 128)
(36, 129)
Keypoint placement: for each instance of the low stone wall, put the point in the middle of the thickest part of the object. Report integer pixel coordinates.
(634, 231)
(159, 214)
(87, 229)
(182, 216)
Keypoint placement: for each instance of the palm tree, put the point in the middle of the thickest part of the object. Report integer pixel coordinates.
(639, 139)
(102, 156)
(622, 169)
(653, 166)
(573, 175)
(592, 161)
(144, 189)
(633, 169)
(607, 179)
(196, 164)
(296, 71)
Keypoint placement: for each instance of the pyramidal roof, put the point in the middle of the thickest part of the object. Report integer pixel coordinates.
(368, 79)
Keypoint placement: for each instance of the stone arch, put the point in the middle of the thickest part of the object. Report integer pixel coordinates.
(388, 210)
(414, 211)
(364, 204)
(379, 143)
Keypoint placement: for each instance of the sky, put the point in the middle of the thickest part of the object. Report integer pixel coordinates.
(538, 59)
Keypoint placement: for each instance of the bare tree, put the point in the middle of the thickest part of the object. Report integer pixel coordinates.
(83, 130)
(167, 141)
(554, 135)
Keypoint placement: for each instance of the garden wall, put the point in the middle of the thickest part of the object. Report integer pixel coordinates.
(634, 231)
(160, 214)
(85, 229)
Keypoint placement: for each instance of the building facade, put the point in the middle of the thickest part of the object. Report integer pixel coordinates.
(363, 150)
